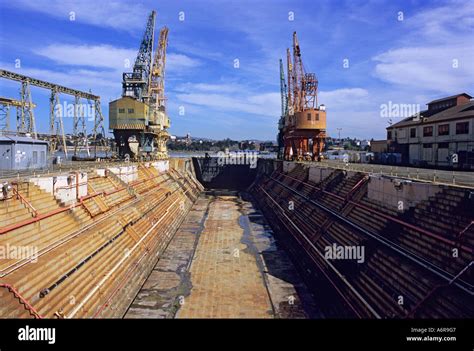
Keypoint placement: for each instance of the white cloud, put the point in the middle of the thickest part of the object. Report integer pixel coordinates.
(107, 56)
(236, 98)
(122, 15)
(450, 23)
(230, 98)
(221, 88)
(345, 98)
(447, 34)
(428, 68)
(177, 62)
(266, 104)
(104, 56)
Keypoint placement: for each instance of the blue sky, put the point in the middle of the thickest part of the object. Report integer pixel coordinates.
(407, 61)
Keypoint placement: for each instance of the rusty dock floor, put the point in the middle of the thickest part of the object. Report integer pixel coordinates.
(223, 262)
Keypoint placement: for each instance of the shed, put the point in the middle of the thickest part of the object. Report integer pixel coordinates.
(17, 152)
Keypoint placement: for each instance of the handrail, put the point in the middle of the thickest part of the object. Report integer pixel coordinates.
(2, 230)
(461, 233)
(22, 300)
(74, 234)
(24, 200)
(355, 187)
(39, 217)
(69, 186)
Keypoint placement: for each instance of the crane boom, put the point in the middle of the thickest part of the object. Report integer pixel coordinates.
(289, 68)
(283, 88)
(157, 84)
(136, 83)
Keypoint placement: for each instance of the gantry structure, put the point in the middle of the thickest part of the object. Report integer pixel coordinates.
(26, 123)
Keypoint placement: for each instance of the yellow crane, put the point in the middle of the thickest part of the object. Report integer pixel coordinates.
(138, 118)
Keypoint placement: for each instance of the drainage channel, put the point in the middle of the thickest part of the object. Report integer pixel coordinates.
(168, 283)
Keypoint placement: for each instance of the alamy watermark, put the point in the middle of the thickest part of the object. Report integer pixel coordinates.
(13, 252)
(37, 334)
(396, 110)
(339, 252)
(237, 158)
(67, 109)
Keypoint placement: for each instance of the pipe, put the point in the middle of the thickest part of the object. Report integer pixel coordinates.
(3, 273)
(46, 291)
(123, 281)
(355, 187)
(461, 233)
(367, 305)
(39, 217)
(419, 260)
(69, 186)
(117, 265)
(393, 219)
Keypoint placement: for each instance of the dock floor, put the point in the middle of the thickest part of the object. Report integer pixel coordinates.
(223, 263)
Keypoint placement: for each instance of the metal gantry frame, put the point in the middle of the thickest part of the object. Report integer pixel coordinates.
(80, 130)
(25, 117)
(26, 123)
(5, 112)
(56, 126)
(4, 116)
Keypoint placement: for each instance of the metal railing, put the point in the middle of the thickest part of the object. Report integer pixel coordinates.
(56, 169)
(23, 200)
(31, 310)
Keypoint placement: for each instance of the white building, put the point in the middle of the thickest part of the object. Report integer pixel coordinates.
(442, 135)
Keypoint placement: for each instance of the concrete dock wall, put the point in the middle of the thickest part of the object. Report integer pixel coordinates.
(66, 188)
(399, 194)
(126, 173)
(318, 174)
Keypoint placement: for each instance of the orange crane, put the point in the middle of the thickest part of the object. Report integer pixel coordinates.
(304, 130)
(157, 96)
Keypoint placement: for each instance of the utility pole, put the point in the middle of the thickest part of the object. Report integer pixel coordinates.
(339, 131)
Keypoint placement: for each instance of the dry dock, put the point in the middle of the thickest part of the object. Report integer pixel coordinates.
(204, 239)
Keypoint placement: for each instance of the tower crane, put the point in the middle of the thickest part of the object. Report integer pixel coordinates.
(136, 83)
(157, 95)
(139, 118)
(304, 130)
(284, 109)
